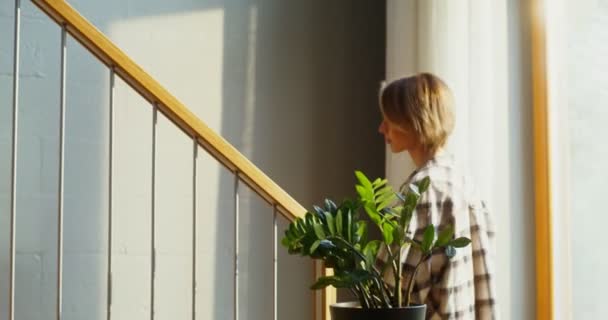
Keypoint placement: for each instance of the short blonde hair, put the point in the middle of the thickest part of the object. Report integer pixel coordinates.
(422, 103)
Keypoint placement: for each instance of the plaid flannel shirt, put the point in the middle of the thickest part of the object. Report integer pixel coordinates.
(461, 287)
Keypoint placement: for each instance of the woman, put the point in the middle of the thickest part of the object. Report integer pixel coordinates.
(418, 117)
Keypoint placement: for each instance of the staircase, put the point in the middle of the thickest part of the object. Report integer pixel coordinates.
(165, 108)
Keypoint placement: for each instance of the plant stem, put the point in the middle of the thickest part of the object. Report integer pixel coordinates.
(373, 302)
(385, 300)
(397, 274)
(412, 279)
(388, 290)
(379, 302)
(366, 297)
(357, 292)
(392, 258)
(366, 302)
(398, 293)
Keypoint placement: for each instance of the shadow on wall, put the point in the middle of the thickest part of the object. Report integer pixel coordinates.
(291, 85)
(520, 152)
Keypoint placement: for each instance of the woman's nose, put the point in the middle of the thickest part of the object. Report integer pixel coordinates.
(381, 127)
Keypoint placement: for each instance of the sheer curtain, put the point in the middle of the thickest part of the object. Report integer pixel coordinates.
(476, 46)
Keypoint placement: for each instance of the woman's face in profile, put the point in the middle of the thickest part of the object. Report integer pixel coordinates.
(398, 138)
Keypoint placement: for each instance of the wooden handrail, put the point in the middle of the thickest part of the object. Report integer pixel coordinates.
(99, 45)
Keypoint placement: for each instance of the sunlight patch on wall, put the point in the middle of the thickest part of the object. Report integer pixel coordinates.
(201, 63)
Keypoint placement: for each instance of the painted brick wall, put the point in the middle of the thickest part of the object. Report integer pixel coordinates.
(292, 85)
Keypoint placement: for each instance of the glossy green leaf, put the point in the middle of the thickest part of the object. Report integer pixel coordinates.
(318, 228)
(324, 244)
(314, 246)
(372, 247)
(398, 234)
(386, 190)
(330, 205)
(319, 213)
(385, 203)
(387, 233)
(371, 251)
(334, 281)
(349, 225)
(348, 204)
(385, 196)
(411, 199)
(339, 223)
(406, 216)
(358, 276)
(329, 219)
(361, 234)
(309, 219)
(460, 242)
(300, 227)
(364, 193)
(428, 238)
(423, 185)
(378, 183)
(345, 280)
(363, 180)
(445, 236)
(292, 230)
(394, 211)
(373, 214)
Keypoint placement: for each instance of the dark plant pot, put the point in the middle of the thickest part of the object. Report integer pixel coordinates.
(352, 311)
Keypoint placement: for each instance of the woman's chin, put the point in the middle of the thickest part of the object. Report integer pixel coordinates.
(396, 150)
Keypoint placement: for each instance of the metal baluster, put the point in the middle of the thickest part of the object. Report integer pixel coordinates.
(275, 263)
(60, 206)
(13, 223)
(153, 224)
(236, 245)
(110, 190)
(194, 221)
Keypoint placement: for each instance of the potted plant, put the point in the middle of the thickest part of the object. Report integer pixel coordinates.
(337, 235)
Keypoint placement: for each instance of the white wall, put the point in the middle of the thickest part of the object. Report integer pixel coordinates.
(577, 45)
(481, 49)
(291, 85)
